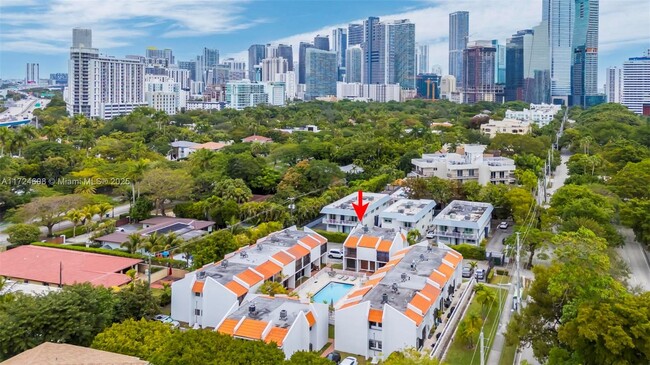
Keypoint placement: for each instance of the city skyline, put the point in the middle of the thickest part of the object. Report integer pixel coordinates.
(232, 34)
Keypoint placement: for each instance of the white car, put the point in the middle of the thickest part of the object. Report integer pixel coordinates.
(430, 235)
(349, 361)
(335, 254)
(166, 319)
(503, 225)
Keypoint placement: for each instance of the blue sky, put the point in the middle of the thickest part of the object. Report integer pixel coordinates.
(40, 30)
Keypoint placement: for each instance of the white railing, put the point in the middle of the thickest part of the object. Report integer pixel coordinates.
(455, 234)
(341, 222)
(443, 341)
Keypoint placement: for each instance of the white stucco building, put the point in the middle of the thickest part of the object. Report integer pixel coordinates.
(511, 126)
(291, 324)
(463, 222)
(396, 308)
(368, 92)
(206, 296)
(370, 248)
(408, 214)
(341, 217)
(542, 114)
(466, 164)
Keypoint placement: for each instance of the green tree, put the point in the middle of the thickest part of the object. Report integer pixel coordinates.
(141, 209)
(50, 210)
(485, 297)
(139, 338)
(410, 356)
(75, 216)
(23, 234)
(413, 236)
(635, 213)
(521, 203)
(632, 180)
(469, 328)
(233, 189)
(135, 301)
(212, 247)
(165, 184)
(272, 288)
(133, 243)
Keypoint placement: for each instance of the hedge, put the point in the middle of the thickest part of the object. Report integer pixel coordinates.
(502, 272)
(154, 260)
(335, 237)
(470, 251)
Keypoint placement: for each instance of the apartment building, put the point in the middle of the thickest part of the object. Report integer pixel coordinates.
(370, 248)
(468, 163)
(463, 222)
(205, 296)
(289, 323)
(399, 304)
(542, 114)
(511, 126)
(409, 214)
(341, 217)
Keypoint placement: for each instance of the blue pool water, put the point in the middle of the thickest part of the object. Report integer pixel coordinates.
(332, 292)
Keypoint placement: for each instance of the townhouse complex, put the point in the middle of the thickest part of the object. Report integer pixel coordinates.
(370, 248)
(463, 222)
(341, 217)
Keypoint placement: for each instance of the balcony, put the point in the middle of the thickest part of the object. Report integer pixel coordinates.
(469, 236)
(340, 222)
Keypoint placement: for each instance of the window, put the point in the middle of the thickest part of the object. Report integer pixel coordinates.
(197, 312)
(407, 224)
(382, 256)
(374, 345)
(471, 172)
(197, 294)
(374, 326)
(459, 173)
(388, 220)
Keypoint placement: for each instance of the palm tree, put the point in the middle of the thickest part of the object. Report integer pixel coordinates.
(133, 243)
(469, 328)
(153, 243)
(413, 236)
(6, 135)
(87, 214)
(74, 216)
(102, 209)
(473, 265)
(18, 142)
(84, 188)
(135, 174)
(485, 297)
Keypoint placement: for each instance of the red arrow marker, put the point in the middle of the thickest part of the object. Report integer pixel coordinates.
(359, 207)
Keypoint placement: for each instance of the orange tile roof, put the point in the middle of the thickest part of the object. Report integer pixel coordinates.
(384, 246)
(420, 302)
(310, 318)
(310, 241)
(360, 292)
(298, 251)
(228, 326)
(268, 269)
(249, 277)
(198, 287)
(283, 258)
(373, 281)
(349, 304)
(384, 268)
(431, 291)
(277, 335)
(438, 278)
(318, 238)
(236, 288)
(453, 259)
(251, 328)
(210, 146)
(402, 252)
(446, 269)
(414, 316)
(368, 242)
(351, 241)
(375, 315)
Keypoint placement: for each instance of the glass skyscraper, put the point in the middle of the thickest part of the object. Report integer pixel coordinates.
(401, 53)
(320, 73)
(584, 81)
(515, 61)
(353, 64)
(256, 53)
(560, 17)
(458, 37)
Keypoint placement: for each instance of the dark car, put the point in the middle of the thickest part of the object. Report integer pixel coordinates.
(334, 357)
(480, 274)
(467, 271)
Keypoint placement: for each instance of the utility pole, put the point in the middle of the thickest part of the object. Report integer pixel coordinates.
(149, 271)
(517, 277)
(482, 344)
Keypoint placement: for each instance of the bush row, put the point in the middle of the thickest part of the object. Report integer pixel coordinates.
(336, 237)
(470, 251)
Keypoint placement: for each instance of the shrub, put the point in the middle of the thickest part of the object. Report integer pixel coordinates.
(23, 234)
(502, 272)
(335, 237)
(470, 251)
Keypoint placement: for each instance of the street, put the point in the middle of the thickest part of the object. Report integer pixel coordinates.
(634, 256)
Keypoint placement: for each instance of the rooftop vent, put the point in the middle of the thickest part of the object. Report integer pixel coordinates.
(200, 275)
(259, 247)
(251, 309)
(467, 217)
(243, 254)
(384, 298)
(365, 229)
(408, 205)
(394, 287)
(422, 258)
(224, 263)
(414, 265)
(404, 277)
(283, 315)
(400, 211)
(429, 248)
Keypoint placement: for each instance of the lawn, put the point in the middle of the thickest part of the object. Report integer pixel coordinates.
(330, 331)
(500, 279)
(508, 355)
(458, 353)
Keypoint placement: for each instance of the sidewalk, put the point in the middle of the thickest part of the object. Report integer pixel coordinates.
(499, 338)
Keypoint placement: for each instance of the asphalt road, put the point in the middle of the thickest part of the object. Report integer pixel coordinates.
(633, 254)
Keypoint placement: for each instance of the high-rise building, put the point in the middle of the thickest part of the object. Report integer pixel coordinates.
(499, 62)
(428, 86)
(77, 98)
(355, 34)
(302, 52)
(478, 64)
(340, 45)
(190, 66)
(447, 87)
(560, 17)
(320, 73)
(636, 83)
(32, 75)
(458, 38)
(276, 92)
(82, 38)
(400, 50)
(163, 93)
(422, 58)
(374, 51)
(243, 94)
(116, 86)
(163, 57)
(272, 68)
(286, 52)
(322, 42)
(205, 63)
(210, 57)
(584, 72)
(614, 84)
(354, 64)
(237, 69)
(256, 53)
(537, 61)
(59, 78)
(515, 60)
(181, 76)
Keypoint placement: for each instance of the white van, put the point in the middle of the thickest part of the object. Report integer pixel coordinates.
(335, 254)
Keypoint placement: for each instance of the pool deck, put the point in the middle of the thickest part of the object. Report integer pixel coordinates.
(322, 278)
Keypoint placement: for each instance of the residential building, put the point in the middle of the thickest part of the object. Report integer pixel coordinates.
(340, 46)
(276, 92)
(374, 51)
(542, 114)
(77, 94)
(400, 304)
(289, 323)
(447, 86)
(307, 128)
(584, 70)
(205, 105)
(181, 76)
(183, 149)
(428, 86)
(236, 69)
(59, 78)
(361, 92)
(537, 72)
(341, 217)
(614, 84)
(162, 93)
(463, 222)
(355, 35)
(162, 57)
(243, 94)
(190, 66)
(351, 169)
(32, 75)
(516, 59)
(499, 62)
(281, 51)
(320, 73)
(408, 214)
(458, 37)
(468, 163)
(636, 83)
(290, 84)
(511, 126)
(302, 65)
(354, 64)
(63, 353)
(370, 248)
(401, 53)
(422, 58)
(116, 86)
(57, 267)
(272, 68)
(478, 67)
(256, 53)
(256, 139)
(208, 295)
(322, 42)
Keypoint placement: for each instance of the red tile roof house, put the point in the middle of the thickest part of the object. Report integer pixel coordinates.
(258, 139)
(52, 266)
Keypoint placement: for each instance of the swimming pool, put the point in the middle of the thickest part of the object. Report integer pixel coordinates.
(332, 292)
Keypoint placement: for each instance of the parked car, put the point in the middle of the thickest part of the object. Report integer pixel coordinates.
(349, 361)
(480, 274)
(334, 357)
(166, 319)
(335, 254)
(503, 225)
(467, 271)
(430, 235)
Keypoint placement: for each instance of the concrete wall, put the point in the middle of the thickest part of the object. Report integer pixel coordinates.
(297, 339)
(399, 332)
(319, 332)
(218, 302)
(182, 298)
(351, 329)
